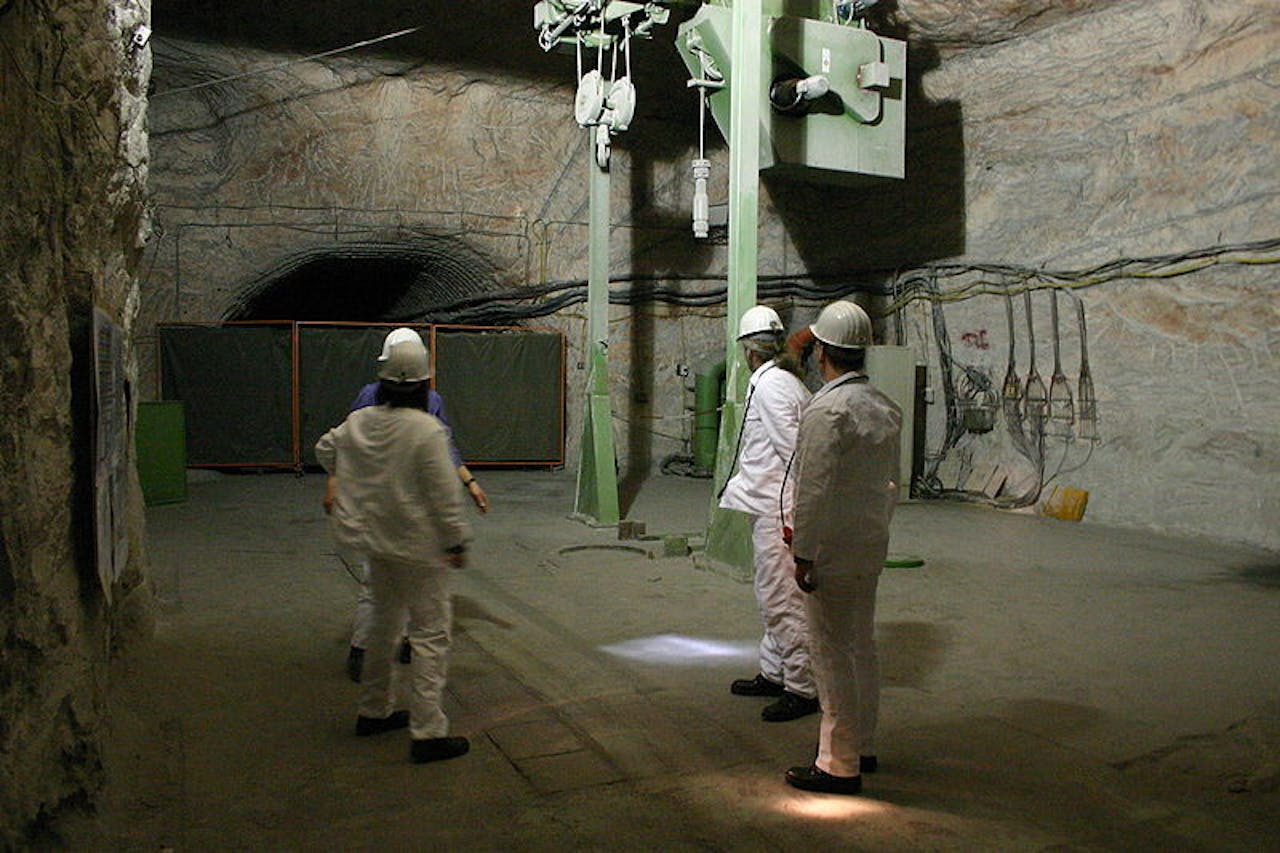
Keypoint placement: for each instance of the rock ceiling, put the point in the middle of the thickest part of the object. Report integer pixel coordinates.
(944, 25)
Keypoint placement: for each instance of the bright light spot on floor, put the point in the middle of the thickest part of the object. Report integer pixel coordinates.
(828, 806)
(677, 650)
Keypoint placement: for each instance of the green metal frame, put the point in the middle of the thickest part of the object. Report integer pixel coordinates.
(729, 532)
(597, 488)
(860, 136)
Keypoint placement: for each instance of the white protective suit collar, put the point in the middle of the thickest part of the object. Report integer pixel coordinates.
(851, 376)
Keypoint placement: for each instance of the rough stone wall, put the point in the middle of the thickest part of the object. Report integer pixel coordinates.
(320, 157)
(286, 158)
(72, 126)
(1145, 129)
(953, 25)
(1083, 133)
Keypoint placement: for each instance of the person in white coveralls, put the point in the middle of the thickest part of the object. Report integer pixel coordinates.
(760, 488)
(398, 502)
(846, 469)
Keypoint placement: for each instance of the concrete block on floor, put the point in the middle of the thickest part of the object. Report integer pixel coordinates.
(535, 739)
(628, 529)
(569, 771)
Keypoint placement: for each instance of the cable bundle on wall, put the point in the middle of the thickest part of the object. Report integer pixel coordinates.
(1032, 413)
(524, 303)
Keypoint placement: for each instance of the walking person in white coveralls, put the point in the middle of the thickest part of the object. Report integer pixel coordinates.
(397, 500)
(368, 396)
(846, 467)
(760, 488)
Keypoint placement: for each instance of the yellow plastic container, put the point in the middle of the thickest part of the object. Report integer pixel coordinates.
(1066, 504)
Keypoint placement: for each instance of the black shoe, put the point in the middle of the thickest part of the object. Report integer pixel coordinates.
(438, 749)
(812, 779)
(406, 653)
(366, 726)
(355, 664)
(792, 706)
(868, 764)
(758, 686)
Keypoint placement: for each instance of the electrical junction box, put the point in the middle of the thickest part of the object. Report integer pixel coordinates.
(160, 439)
(891, 370)
(856, 129)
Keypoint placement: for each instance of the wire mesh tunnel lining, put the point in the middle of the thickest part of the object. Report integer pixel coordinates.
(367, 280)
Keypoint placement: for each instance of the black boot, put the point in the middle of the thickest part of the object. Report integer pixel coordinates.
(792, 706)
(366, 726)
(437, 749)
(758, 686)
(812, 779)
(355, 664)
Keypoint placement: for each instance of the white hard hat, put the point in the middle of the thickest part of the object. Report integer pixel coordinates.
(405, 361)
(397, 336)
(760, 319)
(843, 324)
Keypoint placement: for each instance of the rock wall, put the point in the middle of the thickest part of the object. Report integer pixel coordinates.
(72, 126)
(1072, 135)
(1142, 130)
(376, 150)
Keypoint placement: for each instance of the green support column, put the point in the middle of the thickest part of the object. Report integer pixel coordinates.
(597, 493)
(729, 533)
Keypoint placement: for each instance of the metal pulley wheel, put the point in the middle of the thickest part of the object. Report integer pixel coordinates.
(622, 104)
(602, 146)
(588, 104)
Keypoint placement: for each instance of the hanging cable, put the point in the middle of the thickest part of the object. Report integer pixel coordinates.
(260, 71)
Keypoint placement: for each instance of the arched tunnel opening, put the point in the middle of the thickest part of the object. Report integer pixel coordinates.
(394, 282)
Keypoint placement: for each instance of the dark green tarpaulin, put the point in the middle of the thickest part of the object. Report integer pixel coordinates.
(505, 393)
(236, 384)
(503, 389)
(334, 362)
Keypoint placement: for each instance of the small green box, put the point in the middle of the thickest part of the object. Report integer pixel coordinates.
(160, 439)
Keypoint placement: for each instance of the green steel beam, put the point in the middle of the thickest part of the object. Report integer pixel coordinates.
(728, 534)
(597, 493)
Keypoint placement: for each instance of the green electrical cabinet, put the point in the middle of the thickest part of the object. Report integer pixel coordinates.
(160, 439)
(854, 132)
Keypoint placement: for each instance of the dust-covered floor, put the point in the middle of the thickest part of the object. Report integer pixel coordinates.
(1048, 685)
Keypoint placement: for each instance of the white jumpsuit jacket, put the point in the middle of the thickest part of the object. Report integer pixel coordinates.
(769, 425)
(398, 495)
(845, 471)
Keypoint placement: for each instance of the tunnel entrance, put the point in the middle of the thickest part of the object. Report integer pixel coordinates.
(394, 282)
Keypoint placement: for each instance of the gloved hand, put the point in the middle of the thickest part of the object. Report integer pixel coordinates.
(803, 567)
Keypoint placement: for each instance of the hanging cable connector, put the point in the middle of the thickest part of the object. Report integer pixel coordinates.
(701, 171)
(1061, 406)
(711, 78)
(1087, 424)
(701, 204)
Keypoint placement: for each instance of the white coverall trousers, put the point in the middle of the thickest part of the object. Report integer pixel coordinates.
(420, 593)
(362, 623)
(784, 648)
(842, 613)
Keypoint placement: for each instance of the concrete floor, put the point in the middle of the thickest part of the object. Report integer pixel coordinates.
(1048, 685)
